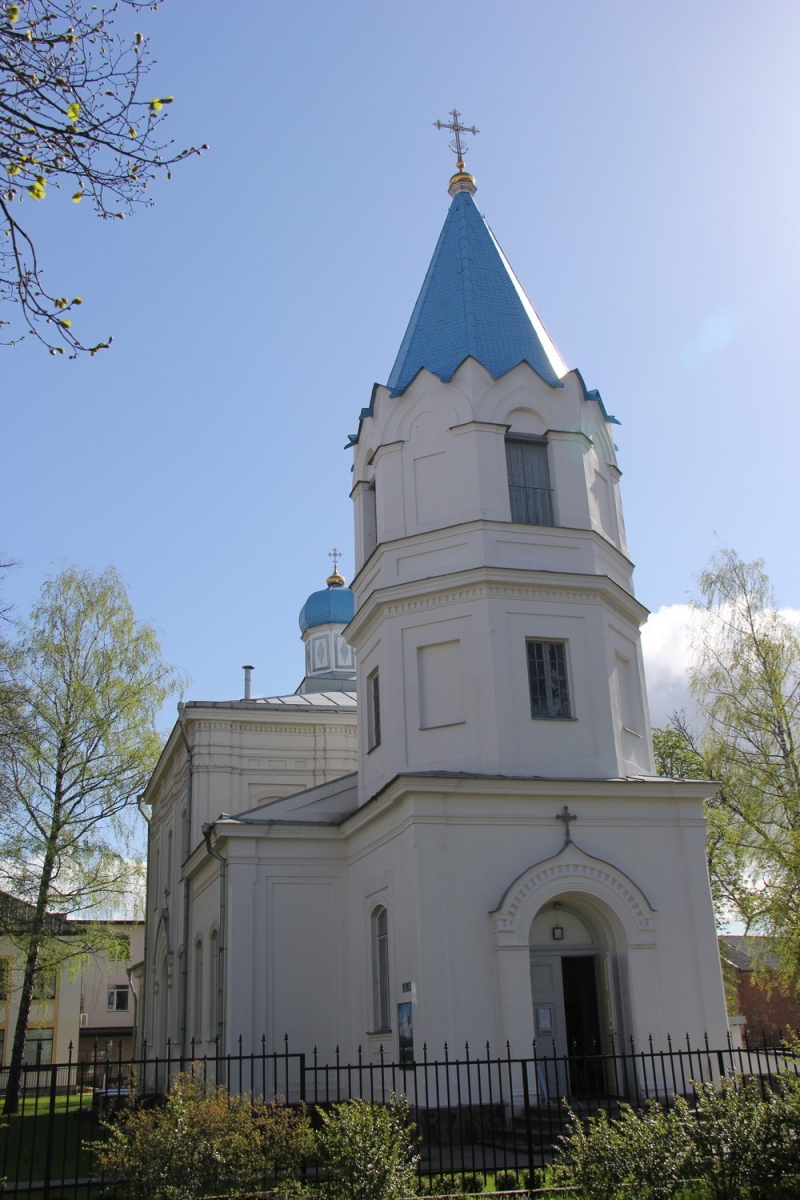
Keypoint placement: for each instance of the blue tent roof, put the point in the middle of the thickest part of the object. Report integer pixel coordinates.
(471, 303)
(332, 606)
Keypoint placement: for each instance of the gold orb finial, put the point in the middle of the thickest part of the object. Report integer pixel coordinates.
(335, 579)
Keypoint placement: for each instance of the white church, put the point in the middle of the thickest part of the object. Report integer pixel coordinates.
(480, 850)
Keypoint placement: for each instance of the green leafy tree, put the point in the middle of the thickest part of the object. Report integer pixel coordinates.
(93, 682)
(745, 678)
(367, 1151)
(73, 115)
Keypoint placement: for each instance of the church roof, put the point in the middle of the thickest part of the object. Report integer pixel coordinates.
(332, 606)
(472, 304)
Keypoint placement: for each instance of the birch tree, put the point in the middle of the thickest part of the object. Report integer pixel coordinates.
(93, 682)
(745, 678)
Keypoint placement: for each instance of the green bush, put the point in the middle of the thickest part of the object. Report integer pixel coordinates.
(745, 1143)
(506, 1181)
(737, 1143)
(180, 1151)
(472, 1183)
(366, 1151)
(641, 1153)
(201, 1140)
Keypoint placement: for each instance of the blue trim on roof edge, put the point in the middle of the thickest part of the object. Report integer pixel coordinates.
(369, 411)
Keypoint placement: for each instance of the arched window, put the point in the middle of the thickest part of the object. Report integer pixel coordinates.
(380, 969)
(198, 990)
(213, 985)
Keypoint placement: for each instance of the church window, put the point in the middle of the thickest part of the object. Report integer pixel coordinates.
(529, 481)
(213, 988)
(370, 518)
(374, 710)
(547, 677)
(198, 990)
(380, 969)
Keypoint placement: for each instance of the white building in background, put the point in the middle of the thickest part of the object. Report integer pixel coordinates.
(84, 1011)
(494, 848)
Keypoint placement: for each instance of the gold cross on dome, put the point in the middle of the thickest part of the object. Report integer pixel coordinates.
(335, 555)
(456, 128)
(567, 817)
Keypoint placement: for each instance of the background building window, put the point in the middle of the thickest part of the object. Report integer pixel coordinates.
(529, 481)
(5, 978)
(118, 998)
(38, 1047)
(374, 710)
(547, 677)
(45, 983)
(380, 969)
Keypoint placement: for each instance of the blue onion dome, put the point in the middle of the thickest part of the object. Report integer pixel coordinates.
(334, 605)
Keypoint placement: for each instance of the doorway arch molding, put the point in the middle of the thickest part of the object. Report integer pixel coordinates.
(572, 870)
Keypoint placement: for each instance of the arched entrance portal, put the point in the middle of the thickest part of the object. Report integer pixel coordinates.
(572, 961)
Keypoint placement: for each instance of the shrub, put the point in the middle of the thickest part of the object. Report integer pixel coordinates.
(472, 1183)
(179, 1151)
(642, 1153)
(507, 1181)
(366, 1151)
(285, 1139)
(746, 1142)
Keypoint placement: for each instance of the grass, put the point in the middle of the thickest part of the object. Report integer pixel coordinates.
(33, 1137)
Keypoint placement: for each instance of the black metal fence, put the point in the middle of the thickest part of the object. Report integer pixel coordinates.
(473, 1112)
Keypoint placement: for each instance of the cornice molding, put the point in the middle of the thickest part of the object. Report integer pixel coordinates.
(442, 593)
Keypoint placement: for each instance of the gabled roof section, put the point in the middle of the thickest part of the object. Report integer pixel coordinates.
(473, 305)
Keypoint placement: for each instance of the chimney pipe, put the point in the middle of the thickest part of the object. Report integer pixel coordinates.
(248, 682)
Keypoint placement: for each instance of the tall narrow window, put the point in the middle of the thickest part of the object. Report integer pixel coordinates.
(198, 990)
(529, 481)
(380, 969)
(547, 677)
(374, 710)
(370, 516)
(213, 985)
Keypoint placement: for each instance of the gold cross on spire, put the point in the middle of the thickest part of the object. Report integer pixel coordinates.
(456, 128)
(335, 580)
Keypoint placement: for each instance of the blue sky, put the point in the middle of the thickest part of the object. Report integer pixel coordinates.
(639, 164)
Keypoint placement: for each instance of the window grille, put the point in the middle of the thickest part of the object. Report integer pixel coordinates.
(529, 482)
(547, 676)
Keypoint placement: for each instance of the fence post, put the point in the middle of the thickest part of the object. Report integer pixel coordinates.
(527, 1102)
(51, 1122)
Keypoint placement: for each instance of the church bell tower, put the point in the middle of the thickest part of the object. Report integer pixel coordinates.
(496, 631)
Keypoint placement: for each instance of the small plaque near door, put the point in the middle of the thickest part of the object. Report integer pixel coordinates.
(544, 1018)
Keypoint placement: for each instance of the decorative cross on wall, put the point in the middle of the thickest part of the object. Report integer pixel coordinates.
(566, 816)
(457, 129)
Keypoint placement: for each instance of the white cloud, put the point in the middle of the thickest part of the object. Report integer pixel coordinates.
(667, 654)
(665, 646)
